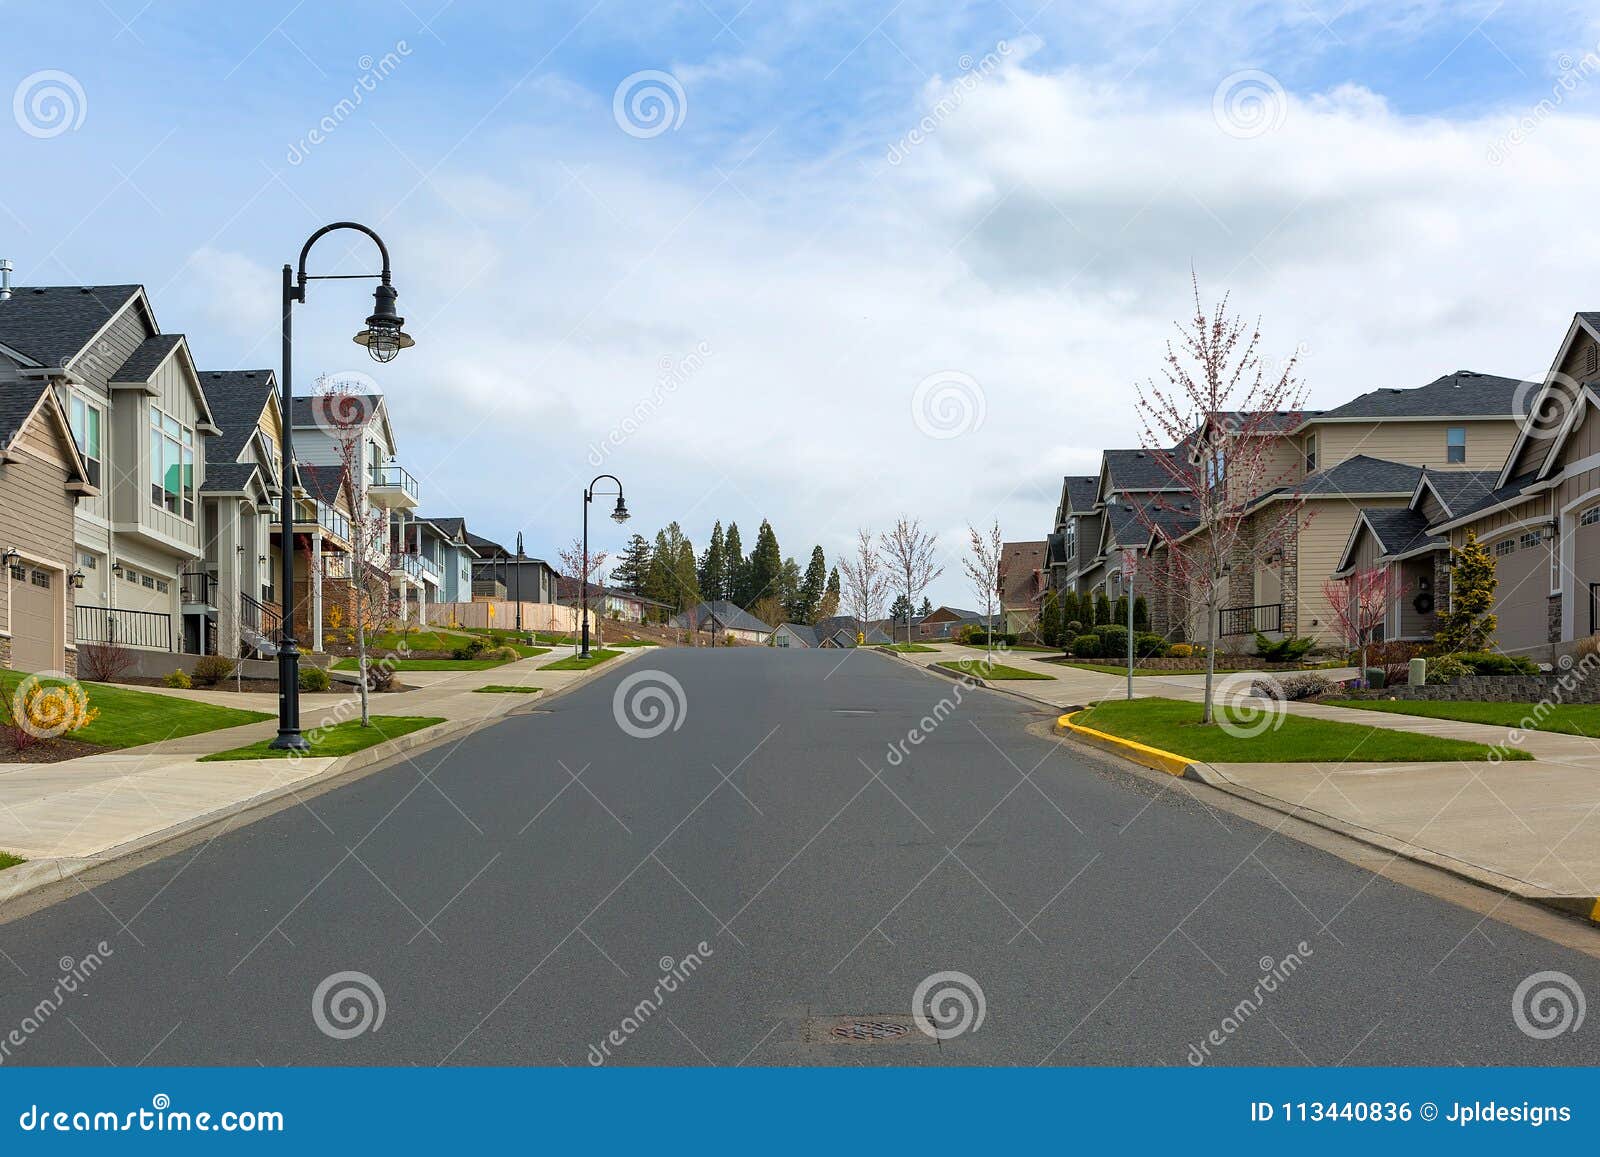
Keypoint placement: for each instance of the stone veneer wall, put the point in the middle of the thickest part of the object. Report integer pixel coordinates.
(1496, 689)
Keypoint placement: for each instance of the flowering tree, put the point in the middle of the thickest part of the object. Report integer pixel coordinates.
(1213, 424)
(864, 581)
(983, 567)
(580, 571)
(911, 556)
(1360, 604)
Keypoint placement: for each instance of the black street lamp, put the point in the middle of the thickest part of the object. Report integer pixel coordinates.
(620, 514)
(384, 338)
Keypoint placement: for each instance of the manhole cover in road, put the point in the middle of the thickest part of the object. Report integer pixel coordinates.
(874, 1029)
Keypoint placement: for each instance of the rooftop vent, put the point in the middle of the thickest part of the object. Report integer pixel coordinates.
(5, 278)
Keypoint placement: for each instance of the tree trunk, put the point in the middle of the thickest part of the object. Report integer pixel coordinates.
(361, 647)
(1212, 610)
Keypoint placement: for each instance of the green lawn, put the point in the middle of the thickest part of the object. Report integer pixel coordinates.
(1566, 718)
(573, 663)
(7, 860)
(505, 689)
(907, 648)
(526, 651)
(429, 664)
(978, 668)
(1175, 726)
(340, 739)
(129, 718)
(416, 641)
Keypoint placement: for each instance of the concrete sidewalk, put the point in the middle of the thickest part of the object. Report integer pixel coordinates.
(62, 817)
(1528, 827)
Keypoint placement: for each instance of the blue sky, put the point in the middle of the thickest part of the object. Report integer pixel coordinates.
(1031, 249)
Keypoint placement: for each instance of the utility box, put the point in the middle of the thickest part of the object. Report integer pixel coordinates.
(1417, 672)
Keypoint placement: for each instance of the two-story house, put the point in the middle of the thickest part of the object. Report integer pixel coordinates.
(455, 556)
(1074, 524)
(140, 420)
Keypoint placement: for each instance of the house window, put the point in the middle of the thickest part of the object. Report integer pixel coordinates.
(161, 586)
(88, 561)
(19, 573)
(171, 465)
(1589, 517)
(84, 419)
(1529, 538)
(1311, 454)
(1504, 547)
(1455, 444)
(149, 581)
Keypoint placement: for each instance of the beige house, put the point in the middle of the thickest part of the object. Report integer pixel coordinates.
(42, 478)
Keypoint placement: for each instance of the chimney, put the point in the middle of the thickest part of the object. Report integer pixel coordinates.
(5, 278)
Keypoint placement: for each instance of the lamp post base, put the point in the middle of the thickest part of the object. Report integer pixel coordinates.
(289, 737)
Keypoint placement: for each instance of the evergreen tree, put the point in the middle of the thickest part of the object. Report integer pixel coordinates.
(764, 574)
(1102, 609)
(1050, 619)
(925, 609)
(1120, 611)
(733, 567)
(900, 609)
(1469, 622)
(633, 567)
(713, 571)
(658, 581)
(1141, 614)
(791, 592)
(687, 580)
(829, 606)
(812, 586)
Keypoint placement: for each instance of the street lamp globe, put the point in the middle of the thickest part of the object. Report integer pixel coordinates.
(620, 514)
(384, 337)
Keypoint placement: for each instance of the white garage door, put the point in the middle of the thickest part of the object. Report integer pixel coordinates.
(1522, 595)
(36, 615)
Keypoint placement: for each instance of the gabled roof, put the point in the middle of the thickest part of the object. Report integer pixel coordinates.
(1359, 475)
(322, 482)
(720, 613)
(1127, 524)
(1398, 531)
(304, 414)
(147, 358)
(231, 478)
(51, 325)
(20, 401)
(1510, 494)
(1055, 550)
(1463, 394)
(1021, 571)
(236, 398)
(1137, 469)
(806, 634)
(1079, 492)
(452, 527)
(1455, 490)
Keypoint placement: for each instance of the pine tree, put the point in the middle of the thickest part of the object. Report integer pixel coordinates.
(713, 571)
(1102, 610)
(791, 591)
(829, 606)
(764, 574)
(658, 581)
(633, 567)
(925, 609)
(1470, 621)
(812, 586)
(1119, 614)
(1050, 619)
(733, 567)
(900, 609)
(1141, 614)
(684, 574)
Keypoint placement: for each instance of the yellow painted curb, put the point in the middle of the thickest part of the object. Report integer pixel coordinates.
(1151, 757)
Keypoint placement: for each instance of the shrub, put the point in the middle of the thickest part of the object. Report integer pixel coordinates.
(209, 670)
(1291, 687)
(179, 679)
(501, 653)
(1113, 640)
(1289, 649)
(1086, 646)
(1150, 646)
(314, 679)
(1446, 668)
(37, 711)
(1375, 678)
(1489, 663)
(1180, 650)
(104, 662)
(1396, 674)
(472, 648)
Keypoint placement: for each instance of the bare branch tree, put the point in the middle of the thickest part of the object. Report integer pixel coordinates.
(1214, 423)
(911, 556)
(982, 565)
(1360, 604)
(580, 571)
(863, 581)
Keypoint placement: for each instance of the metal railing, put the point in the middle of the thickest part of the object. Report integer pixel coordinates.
(410, 563)
(314, 510)
(197, 586)
(392, 476)
(1248, 620)
(260, 617)
(151, 630)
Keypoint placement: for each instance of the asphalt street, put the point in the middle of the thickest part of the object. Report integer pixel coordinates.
(835, 829)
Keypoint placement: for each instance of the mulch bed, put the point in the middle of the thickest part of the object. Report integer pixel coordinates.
(270, 686)
(49, 751)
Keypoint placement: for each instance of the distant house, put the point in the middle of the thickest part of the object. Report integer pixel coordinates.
(456, 556)
(609, 602)
(499, 574)
(1023, 578)
(841, 631)
(944, 622)
(721, 619)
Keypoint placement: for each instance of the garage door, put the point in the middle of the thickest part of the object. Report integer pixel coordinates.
(1522, 596)
(35, 620)
(1585, 571)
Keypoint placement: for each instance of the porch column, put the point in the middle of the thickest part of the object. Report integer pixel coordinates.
(230, 565)
(316, 592)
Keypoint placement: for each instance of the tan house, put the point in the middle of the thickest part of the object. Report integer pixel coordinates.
(1022, 585)
(42, 478)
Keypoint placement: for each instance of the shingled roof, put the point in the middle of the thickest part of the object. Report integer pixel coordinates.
(1082, 491)
(147, 358)
(236, 398)
(51, 324)
(1138, 470)
(1460, 489)
(1463, 394)
(1400, 530)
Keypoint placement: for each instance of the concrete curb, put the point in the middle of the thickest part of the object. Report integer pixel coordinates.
(35, 874)
(1584, 907)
